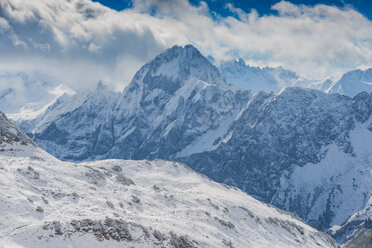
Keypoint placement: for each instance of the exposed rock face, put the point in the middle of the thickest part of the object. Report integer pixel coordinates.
(11, 135)
(323, 139)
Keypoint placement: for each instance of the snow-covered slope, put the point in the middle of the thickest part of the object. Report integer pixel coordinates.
(45, 202)
(26, 95)
(267, 79)
(353, 82)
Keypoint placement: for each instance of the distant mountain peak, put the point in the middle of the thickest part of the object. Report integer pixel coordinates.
(241, 75)
(358, 73)
(353, 82)
(100, 85)
(102, 88)
(241, 62)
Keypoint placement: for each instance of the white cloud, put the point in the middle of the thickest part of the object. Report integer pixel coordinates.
(84, 41)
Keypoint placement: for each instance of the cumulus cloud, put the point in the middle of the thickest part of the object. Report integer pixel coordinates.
(78, 39)
(83, 41)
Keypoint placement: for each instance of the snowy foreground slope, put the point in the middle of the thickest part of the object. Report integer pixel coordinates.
(45, 202)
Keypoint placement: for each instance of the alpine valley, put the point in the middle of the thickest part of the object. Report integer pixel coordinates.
(300, 149)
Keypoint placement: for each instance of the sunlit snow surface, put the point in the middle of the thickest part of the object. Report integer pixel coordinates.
(172, 198)
(45, 202)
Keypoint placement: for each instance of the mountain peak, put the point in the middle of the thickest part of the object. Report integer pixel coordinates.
(358, 74)
(100, 85)
(241, 62)
(174, 67)
(189, 49)
(353, 82)
(242, 75)
(186, 53)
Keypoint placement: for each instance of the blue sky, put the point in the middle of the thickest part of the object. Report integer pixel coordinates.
(263, 7)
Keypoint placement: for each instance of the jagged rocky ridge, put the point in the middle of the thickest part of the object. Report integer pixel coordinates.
(11, 137)
(45, 202)
(179, 107)
(256, 79)
(352, 83)
(242, 75)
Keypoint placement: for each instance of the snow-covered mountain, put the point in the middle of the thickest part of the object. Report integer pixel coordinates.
(45, 202)
(244, 76)
(353, 82)
(256, 79)
(73, 123)
(300, 149)
(25, 95)
(177, 100)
